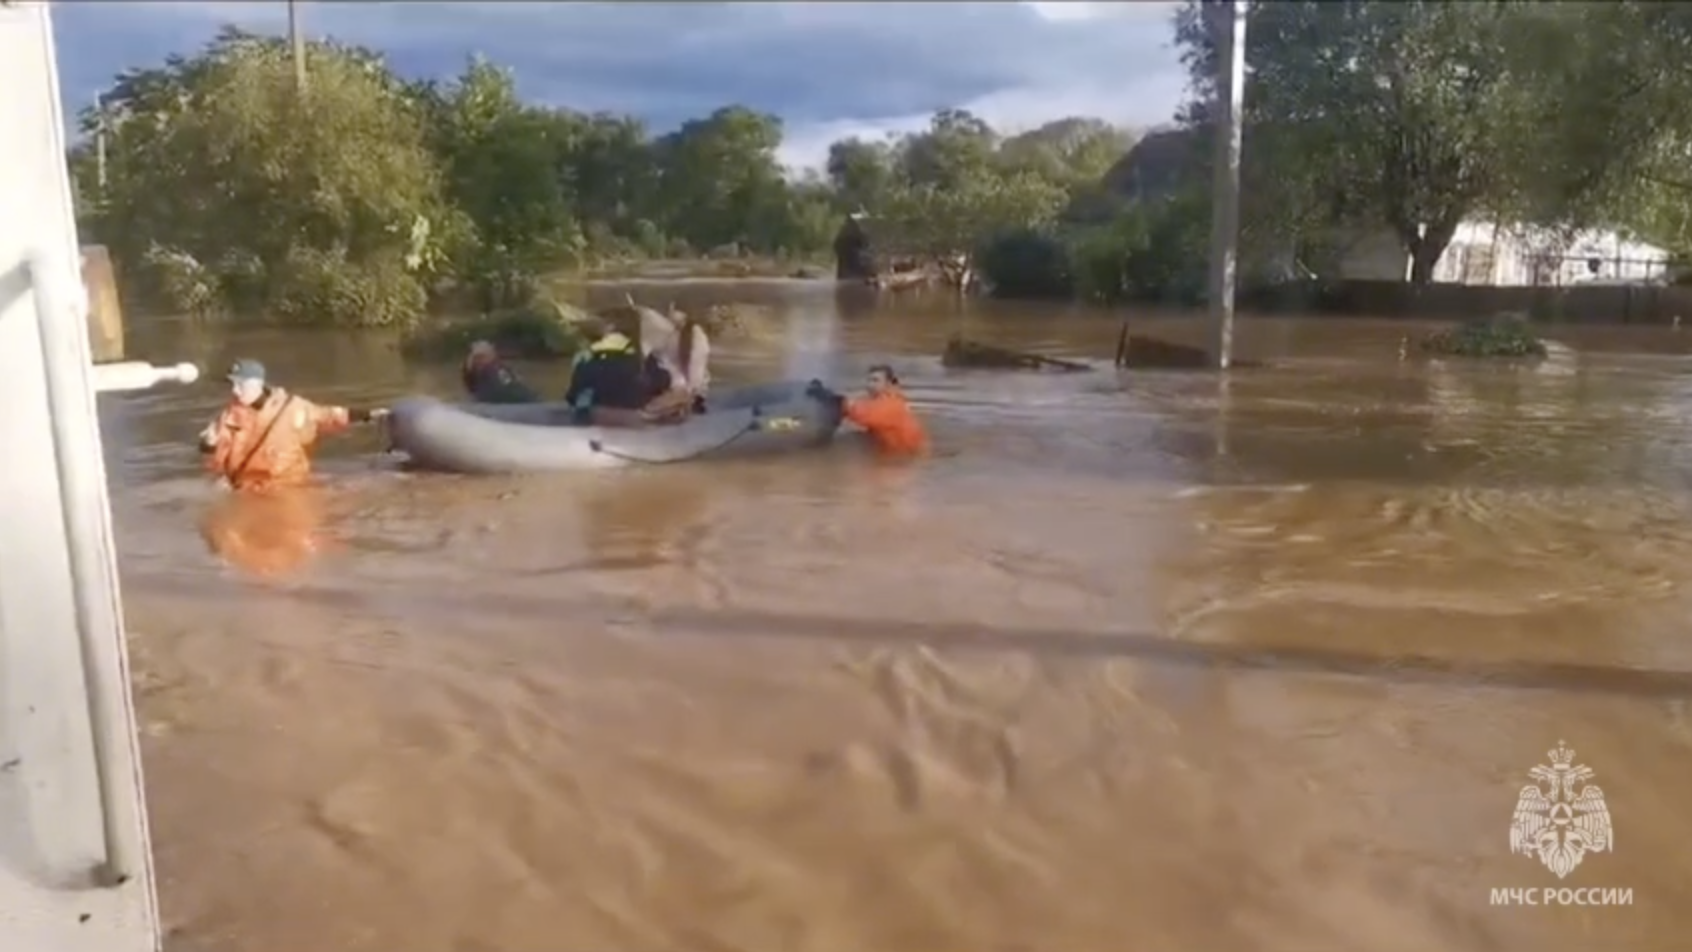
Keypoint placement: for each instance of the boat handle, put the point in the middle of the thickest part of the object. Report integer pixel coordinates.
(139, 375)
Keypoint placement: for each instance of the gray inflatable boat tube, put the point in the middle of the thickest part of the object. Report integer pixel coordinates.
(485, 438)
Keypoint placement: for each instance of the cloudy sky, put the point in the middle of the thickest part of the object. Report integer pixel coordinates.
(828, 69)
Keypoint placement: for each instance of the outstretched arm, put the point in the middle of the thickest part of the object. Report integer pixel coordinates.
(333, 419)
(872, 414)
(328, 419)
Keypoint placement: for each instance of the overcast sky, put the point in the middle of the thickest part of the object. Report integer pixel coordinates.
(828, 69)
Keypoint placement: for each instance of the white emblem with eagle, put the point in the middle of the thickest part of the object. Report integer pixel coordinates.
(1560, 817)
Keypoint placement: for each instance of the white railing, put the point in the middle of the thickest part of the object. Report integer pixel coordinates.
(75, 861)
(93, 552)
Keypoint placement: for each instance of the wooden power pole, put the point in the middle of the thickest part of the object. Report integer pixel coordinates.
(1229, 29)
(100, 144)
(297, 40)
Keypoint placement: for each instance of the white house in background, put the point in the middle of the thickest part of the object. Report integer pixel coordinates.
(1518, 255)
(1479, 253)
(1506, 256)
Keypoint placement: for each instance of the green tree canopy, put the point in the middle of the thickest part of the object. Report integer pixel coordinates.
(353, 200)
(1416, 116)
(225, 180)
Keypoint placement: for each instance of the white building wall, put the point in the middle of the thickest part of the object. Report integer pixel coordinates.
(1504, 255)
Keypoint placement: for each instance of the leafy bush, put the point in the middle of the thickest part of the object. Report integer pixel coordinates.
(225, 189)
(233, 191)
(1170, 259)
(1101, 256)
(378, 292)
(1506, 335)
(1028, 263)
(178, 281)
(1153, 253)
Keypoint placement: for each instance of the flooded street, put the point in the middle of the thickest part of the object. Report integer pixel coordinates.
(1134, 661)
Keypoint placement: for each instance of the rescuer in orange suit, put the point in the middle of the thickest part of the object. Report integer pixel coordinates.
(263, 439)
(260, 446)
(885, 415)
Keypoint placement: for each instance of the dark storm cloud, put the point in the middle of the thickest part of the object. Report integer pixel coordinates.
(825, 68)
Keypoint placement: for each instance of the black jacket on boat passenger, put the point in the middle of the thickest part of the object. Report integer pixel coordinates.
(493, 382)
(608, 376)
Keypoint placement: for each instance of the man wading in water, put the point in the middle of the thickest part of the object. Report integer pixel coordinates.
(260, 446)
(882, 413)
(263, 439)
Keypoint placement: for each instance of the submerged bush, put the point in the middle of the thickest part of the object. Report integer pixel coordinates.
(1153, 252)
(1506, 335)
(1027, 264)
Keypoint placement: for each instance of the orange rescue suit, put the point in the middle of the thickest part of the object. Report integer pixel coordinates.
(269, 444)
(888, 419)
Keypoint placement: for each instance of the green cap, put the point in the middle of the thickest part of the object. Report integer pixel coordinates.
(246, 370)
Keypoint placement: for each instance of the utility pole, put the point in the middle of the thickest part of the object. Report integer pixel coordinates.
(100, 144)
(1229, 30)
(297, 40)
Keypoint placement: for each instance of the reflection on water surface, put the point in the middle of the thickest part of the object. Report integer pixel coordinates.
(1138, 659)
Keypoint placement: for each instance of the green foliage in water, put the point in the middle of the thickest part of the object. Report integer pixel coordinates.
(1028, 264)
(1505, 336)
(357, 199)
(229, 192)
(1153, 252)
(540, 330)
(364, 199)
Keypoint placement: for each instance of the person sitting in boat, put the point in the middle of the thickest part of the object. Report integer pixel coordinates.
(883, 413)
(263, 439)
(489, 380)
(609, 385)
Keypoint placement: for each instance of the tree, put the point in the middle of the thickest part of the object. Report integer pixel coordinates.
(503, 162)
(1389, 113)
(952, 222)
(228, 183)
(861, 173)
(1075, 150)
(613, 171)
(231, 191)
(721, 181)
(1607, 91)
(955, 189)
(956, 148)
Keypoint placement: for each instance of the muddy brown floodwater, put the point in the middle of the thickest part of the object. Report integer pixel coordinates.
(1134, 662)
